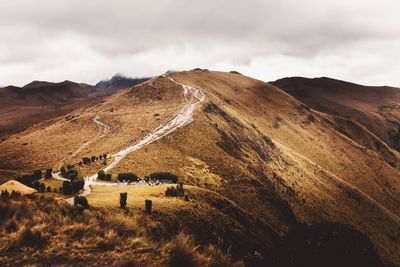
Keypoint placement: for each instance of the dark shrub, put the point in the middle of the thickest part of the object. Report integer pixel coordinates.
(29, 238)
(69, 166)
(122, 199)
(81, 201)
(149, 205)
(15, 195)
(104, 156)
(93, 158)
(68, 188)
(49, 173)
(101, 175)
(175, 191)
(128, 176)
(26, 179)
(63, 171)
(72, 173)
(108, 176)
(42, 188)
(80, 163)
(36, 185)
(101, 157)
(37, 174)
(86, 160)
(5, 195)
(162, 176)
(48, 189)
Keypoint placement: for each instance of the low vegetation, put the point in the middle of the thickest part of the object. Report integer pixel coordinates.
(54, 233)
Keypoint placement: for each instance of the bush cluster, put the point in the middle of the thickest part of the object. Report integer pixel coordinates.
(175, 191)
(128, 176)
(162, 176)
(72, 187)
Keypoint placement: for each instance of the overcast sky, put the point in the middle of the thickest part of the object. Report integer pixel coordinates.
(86, 41)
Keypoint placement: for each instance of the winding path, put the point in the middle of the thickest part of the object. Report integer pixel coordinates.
(181, 118)
(103, 130)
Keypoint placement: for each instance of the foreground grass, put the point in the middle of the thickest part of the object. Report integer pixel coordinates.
(38, 230)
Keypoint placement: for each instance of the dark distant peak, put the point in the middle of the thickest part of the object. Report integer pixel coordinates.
(120, 81)
(36, 84)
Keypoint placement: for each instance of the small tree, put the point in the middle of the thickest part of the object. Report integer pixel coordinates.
(122, 199)
(108, 176)
(93, 158)
(80, 163)
(48, 189)
(49, 174)
(86, 160)
(149, 205)
(104, 156)
(101, 175)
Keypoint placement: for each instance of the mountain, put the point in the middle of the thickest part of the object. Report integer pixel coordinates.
(118, 81)
(260, 167)
(22, 107)
(377, 108)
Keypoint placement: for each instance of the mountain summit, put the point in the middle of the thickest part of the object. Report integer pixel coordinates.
(119, 81)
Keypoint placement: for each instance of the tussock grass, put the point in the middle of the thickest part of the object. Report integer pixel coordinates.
(38, 230)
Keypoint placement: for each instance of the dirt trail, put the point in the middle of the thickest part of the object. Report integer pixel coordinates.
(178, 120)
(103, 130)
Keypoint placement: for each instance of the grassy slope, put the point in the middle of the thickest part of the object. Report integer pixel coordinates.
(250, 144)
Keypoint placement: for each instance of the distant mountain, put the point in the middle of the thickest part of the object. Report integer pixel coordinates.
(21, 107)
(375, 107)
(118, 81)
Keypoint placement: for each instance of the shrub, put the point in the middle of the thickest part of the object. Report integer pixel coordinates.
(104, 156)
(15, 195)
(122, 199)
(5, 195)
(101, 157)
(68, 188)
(29, 238)
(175, 191)
(63, 171)
(48, 189)
(162, 176)
(36, 185)
(101, 175)
(37, 174)
(42, 188)
(81, 201)
(129, 176)
(26, 179)
(49, 173)
(149, 205)
(93, 158)
(80, 163)
(108, 177)
(86, 160)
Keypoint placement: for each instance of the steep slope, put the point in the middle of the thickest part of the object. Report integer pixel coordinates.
(377, 108)
(272, 161)
(39, 101)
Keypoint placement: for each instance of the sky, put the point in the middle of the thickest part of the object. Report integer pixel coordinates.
(87, 41)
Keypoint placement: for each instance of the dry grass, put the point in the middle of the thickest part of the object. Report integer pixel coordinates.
(54, 233)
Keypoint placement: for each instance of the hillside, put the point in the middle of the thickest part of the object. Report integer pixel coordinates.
(22, 107)
(254, 155)
(377, 108)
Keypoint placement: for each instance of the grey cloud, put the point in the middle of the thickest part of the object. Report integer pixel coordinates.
(69, 37)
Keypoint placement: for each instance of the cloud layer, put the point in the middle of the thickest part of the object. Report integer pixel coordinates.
(90, 40)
